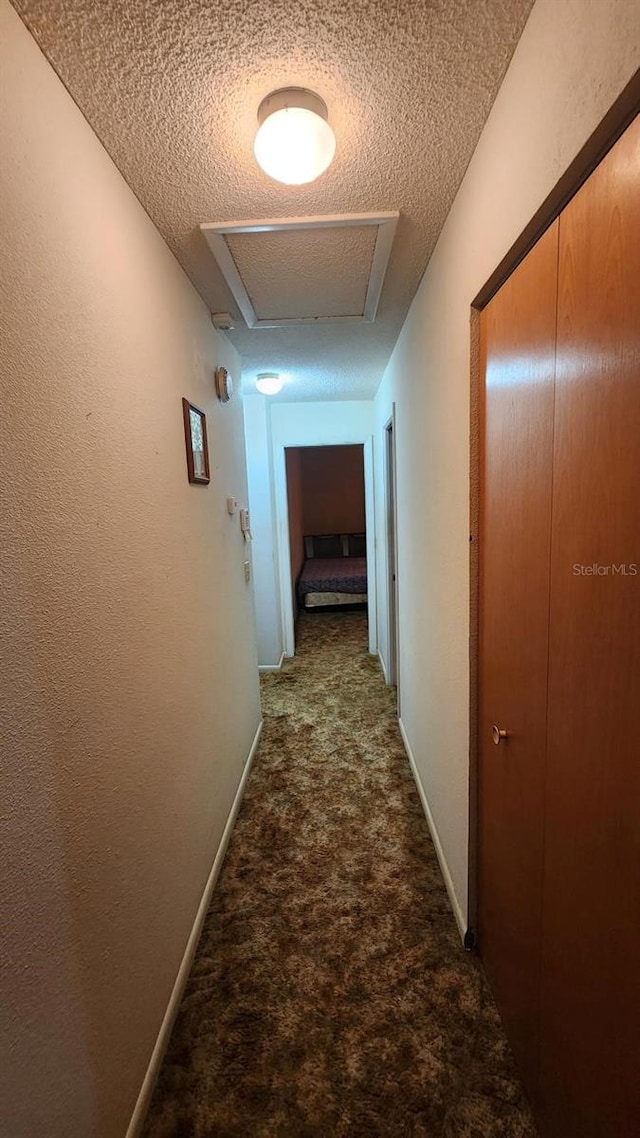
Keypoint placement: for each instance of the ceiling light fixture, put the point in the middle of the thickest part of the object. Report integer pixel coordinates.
(269, 382)
(294, 143)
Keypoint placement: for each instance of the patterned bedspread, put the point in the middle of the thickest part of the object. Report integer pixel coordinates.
(333, 575)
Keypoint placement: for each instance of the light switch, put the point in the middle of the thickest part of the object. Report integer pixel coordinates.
(247, 571)
(232, 505)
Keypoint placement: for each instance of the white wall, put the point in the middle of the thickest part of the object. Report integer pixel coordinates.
(266, 588)
(321, 424)
(129, 674)
(574, 58)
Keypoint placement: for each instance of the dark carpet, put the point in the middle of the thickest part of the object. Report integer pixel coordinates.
(330, 994)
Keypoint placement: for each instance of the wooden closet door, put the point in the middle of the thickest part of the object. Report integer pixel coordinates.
(518, 331)
(590, 1053)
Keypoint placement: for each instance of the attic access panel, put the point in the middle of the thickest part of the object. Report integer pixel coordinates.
(305, 270)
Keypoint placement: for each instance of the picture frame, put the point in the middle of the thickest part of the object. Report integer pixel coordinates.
(196, 441)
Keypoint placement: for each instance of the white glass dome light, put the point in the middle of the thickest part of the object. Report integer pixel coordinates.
(294, 143)
(269, 382)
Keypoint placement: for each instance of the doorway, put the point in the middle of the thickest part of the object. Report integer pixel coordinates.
(327, 528)
(324, 501)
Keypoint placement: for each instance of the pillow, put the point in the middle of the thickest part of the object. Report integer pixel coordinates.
(325, 545)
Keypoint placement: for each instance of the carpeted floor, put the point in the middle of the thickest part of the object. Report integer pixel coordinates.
(330, 995)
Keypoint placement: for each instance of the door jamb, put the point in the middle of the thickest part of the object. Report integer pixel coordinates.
(391, 538)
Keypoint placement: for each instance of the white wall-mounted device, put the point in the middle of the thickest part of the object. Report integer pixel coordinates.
(245, 524)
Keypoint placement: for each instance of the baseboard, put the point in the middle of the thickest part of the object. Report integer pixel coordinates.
(157, 1055)
(448, 880)
(271, 667)
(383, 666)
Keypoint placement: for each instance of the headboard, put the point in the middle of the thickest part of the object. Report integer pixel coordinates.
(335, 545)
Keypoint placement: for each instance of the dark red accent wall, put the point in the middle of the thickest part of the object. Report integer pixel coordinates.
(332, 482)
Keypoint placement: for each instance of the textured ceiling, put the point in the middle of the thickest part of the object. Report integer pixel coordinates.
(172, 88)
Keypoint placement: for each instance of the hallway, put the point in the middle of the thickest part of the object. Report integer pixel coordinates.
(330, 994)
(234, 232)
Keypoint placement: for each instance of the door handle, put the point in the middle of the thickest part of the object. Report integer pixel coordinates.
(498, 733)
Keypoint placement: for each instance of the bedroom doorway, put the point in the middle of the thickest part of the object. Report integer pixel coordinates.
(327, 528)
(392, 543)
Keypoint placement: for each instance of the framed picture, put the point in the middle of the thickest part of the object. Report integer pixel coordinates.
(195, 437)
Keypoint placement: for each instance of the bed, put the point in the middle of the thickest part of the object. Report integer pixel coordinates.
(334, 573)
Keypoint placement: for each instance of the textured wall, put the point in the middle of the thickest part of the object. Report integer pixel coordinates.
(333, 489)
(574, 58)
(128, 658)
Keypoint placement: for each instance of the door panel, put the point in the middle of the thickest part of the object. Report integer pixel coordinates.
(590, 1055)
(518, 330)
